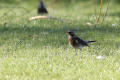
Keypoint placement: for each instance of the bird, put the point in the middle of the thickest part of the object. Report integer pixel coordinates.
(41, 8)
(75, 41)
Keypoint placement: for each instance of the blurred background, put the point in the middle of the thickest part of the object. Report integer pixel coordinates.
(56, 1)
(58, 8)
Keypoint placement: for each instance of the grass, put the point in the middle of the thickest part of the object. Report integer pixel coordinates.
(38, 50)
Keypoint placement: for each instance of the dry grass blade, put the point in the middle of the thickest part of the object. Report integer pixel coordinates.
(98, 18)
(38, 17)
(105, 12)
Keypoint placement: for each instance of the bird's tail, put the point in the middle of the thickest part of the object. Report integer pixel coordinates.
(90, 41)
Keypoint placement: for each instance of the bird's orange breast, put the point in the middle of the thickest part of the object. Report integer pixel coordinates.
(71, 41)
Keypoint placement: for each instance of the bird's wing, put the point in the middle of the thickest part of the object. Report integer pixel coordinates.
(80, 41)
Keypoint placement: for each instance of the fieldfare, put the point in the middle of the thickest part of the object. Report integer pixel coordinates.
(76, 42)
(41, 8)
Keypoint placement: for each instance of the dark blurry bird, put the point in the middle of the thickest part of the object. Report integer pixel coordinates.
(76, 42)
(41, 8)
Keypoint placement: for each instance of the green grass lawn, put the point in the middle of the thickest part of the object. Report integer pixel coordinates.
(38, 50)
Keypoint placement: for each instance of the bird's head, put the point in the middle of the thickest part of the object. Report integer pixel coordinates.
(71, 33)
(41, 4)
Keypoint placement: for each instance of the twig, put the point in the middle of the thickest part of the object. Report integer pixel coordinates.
(98, 18)
(105, 12)
(45, 17)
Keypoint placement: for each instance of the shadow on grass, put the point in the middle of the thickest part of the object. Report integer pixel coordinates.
(51, 35)
(38, 29)
(43, 37)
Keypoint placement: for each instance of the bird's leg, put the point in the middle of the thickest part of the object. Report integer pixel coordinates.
(75, 51)
(80, 50)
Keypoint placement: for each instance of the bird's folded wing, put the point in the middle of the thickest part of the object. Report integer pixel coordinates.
(80, 41)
